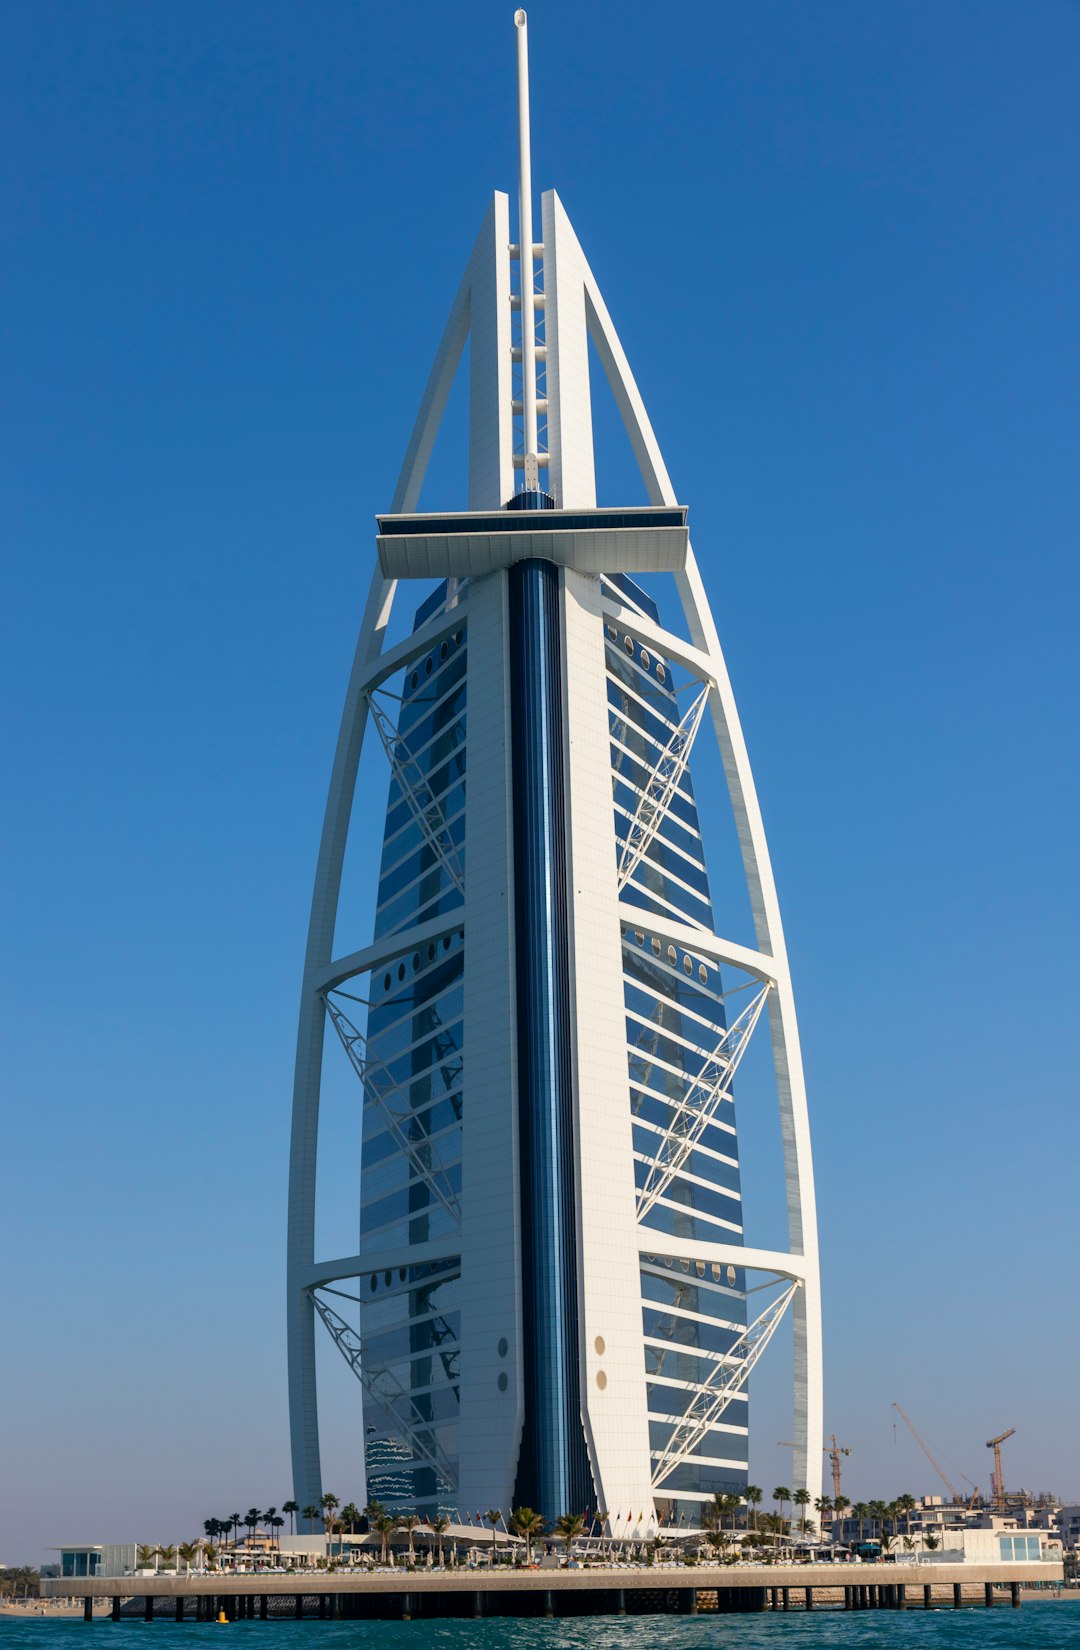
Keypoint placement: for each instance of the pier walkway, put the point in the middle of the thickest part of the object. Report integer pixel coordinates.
(404, 1595)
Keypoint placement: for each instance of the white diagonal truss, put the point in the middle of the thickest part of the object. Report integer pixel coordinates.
(391, 1101)
(698, 1104)
(416, 792)
(729, 1377)
(659, 792)
(387, 1391)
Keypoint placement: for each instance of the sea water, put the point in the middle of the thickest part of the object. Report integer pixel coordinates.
(1049, 1625)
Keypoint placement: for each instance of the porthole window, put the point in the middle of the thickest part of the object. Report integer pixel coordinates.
(645, 660)
(731, 1275)
(386, 982)
(446, 943)
(401, 971)
(457, 638)
(672, 955)
(415, 961)
(639, 938)
(656, 948)
(388, 1278)
(685, 1264)
(703, 974)
(401, 1274)
(504, 1381)
(628, 643)
(427, 667)
(413, 679)
(661, 673)
(716, 1271)
(374, 1283)
(443, 651)
(612, 632)
(688, 967)
(699, 1268)
(600, 1345)
(601, 1379)
(431, 952)
(504, 1346)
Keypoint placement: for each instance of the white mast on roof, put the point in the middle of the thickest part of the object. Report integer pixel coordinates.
(525, 254)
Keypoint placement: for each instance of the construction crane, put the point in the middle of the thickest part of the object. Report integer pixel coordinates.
(999, 1476)
(925, 1447)
(834, 1451)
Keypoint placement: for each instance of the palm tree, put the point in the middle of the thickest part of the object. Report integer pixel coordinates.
(494, 1518)
(329, 1504)
(860, 1511)
(878, 1513)
(292, 1509)
(235, 1521)
(311, 1514)
(385, 1525)
(754, 1499)
(189, 1552)
(350, 1517)
(801, 1498)
(840, 1506)
(529, 1524)
(268, 1519)
(251, 1520)
(823, 1505)
(276, 1524)
(439, 1526)
(569, 1526)
(409, 1522)
(211, 1528)
(782, 1494)
(167, 1556)
(145, 1556)
(905, 1504)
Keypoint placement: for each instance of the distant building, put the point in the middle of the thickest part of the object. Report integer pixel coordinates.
(96, 1559)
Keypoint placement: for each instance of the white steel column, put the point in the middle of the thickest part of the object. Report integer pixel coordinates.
(613, 1392)
(491, 419)
(571, 471)
(525, 239)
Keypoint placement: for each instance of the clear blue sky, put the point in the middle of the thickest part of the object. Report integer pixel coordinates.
(840, 243)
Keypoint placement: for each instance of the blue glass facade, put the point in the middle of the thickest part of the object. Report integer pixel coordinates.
(553, 1473)
(692, 1313)
(414, 1101)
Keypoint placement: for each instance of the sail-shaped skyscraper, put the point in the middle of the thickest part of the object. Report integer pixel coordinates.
(552, 1302)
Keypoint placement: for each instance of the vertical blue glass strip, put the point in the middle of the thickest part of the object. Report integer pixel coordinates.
(553, 1473)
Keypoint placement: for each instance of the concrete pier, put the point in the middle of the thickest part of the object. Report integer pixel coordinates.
(415, 1595)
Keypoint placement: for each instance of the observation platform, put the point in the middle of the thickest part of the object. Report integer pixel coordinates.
(610, 1590)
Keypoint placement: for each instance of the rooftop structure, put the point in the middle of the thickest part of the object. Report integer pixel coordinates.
(553, 1301)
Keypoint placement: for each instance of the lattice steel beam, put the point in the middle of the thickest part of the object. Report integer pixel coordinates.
(383, 1091)
(386, 1390)
(697, 1107)
(417, 795)
(659, 792)
(728, 1378)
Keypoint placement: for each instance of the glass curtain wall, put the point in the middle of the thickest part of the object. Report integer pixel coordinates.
(413, 1101)
(691, 1313)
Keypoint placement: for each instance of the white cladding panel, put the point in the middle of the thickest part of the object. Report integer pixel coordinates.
(614, 1407)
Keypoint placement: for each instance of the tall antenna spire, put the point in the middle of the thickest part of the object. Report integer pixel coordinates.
(525, 253)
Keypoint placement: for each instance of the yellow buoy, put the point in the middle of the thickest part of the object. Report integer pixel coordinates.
(222, 1616)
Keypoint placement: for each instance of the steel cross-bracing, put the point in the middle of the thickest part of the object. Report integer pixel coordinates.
(412, 782)
(698, 1104)
(659, 792)
(385, 1093)
(729, 1377)
(387, 1391)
